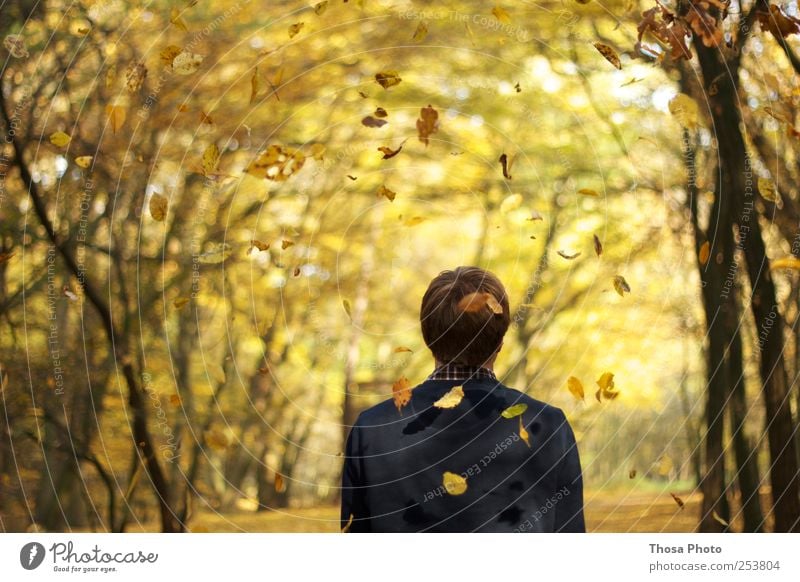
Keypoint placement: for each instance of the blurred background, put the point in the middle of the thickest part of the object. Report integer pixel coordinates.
(218, 220)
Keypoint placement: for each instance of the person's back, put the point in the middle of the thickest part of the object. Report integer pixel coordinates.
(484, 457)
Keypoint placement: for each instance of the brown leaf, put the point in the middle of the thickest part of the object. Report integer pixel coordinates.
(452, 399)
(427, 124)
(158, 207)
(388, 79)
(705, 253)
(134, 76)
(421, 32)
(474, 302)
(401, 393)
(295, 29)
(778, 22)
(383, 191)
(370, 121)
(280, 485)
(677, 499)
(380, 112)
(621, 285)
(609, 53)
(389, 153)
(598, 246)
(506, 164)
(632, 474)
(254, 85)
(261, 246)
(569, 256)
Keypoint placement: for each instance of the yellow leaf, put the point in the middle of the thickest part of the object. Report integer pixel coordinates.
(609, 53)
(453, 483)
(383, 191)
(277, 163)
(295, 29)
(621, 285)
(261, 246)
(414, 220)
(451, 399)
(319, 9)
(523, 434)
(685, 110)
(60, 139)
(401, 349)
(254, 85)
(767, 189)
(180, 302)
(606, 387)
(84, 161)
(421, 32)
(705, 253)
(588, 192)
(575, 388)
(168, 54)
(285, 244)
(210, 159)
(401, 393)
(388, 79)
(116, 116)
(175, 18)
(501, 15)
(158, 207)
(186, 63)
(347, 308)
(514, 410)
(318, 152)
(785, 263)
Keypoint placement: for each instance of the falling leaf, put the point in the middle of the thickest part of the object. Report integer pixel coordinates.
(380, 112)
(453, 483)
(401, 393)
(116, 116)
(598, 246)
(523, 433)
(718, 519)
(705, 253)
(175, 18)
(296, 272)
(609, 53)
(621, 285)
(210, 159)
(353, 178)
(402, 349)
(677, 499)
(414, 220)
(319, 9)
(168, 54)
(285, 244)
(384, 192)
(186, 63)
(421, 32)
(347, 308)
(632, 474)
(389, 153)
(158, 207)
(280, 486)
(318, 151)
(510, 203)
(606, 387)
(451, 399)
(295, 29)
(217, 253)
(180, 302)
(84, 161)
(501, 15)
(346, 527)
(427, 124)
(60, 139)
(15, 44)
(785, 263)
(175, 400)
(506, 165)
(277, 163)
(257, 244)
(575, 388)
(370, 121)
(514, 410)
(517, 88)
(685, 110)
(134, 76)
(778, 22)
(216, 438)
(767, 189)
(569, 256)
(253, 85)
(474, 302)
(388, 79)
(588, 192)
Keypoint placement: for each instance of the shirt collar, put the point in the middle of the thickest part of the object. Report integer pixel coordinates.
(461, 372)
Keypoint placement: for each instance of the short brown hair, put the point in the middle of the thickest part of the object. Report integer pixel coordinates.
(459, 336)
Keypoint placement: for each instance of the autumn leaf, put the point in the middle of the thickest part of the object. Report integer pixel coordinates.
(217, 253)
(116, 116)
(384, 192)
(134, 76)
(380, 112)
(402, 349)
(514, 410)
(501, 15)
(347, 308)
(318, 152)
(632, 474)
(253, 85)
(609, 53)
(175, 18)
(606, 387)
(506, 165)
(370, 121)
(180, 302)
(427, 124)
(523, 433)
(15, 45)
(280, 485)
(60, 139)
(320, 9)
(285, 244)
(575, 388)
(768, 191)
(474, 302)
(414, 220)
(420, 33)
(389, 153)
(388, 79)
(598, 246)
(401, 393)
(569, 256)
(168, 55)
(349, 523)
(535, 215)
(210, 159)
(158, 207)
(451, 399)
(778, 22)
(705, 253)
(257, 244)
(588, 192)
(277, 163)
(677, 499)
(685, 110)
(186, 63)
(84, 161)
(295, 29)
(454, 483)
(621, 285)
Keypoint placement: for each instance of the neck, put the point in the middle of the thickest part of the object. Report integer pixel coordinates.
(488, 364)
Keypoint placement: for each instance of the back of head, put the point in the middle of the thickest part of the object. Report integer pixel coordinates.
(464, 316)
